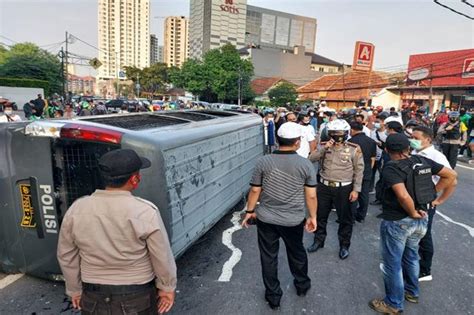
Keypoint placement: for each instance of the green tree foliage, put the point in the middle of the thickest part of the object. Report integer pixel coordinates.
(28, 61)
(153, 79)
(283, 94)
(217, 76)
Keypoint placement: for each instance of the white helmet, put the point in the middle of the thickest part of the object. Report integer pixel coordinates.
(393, 118)
(339, 125)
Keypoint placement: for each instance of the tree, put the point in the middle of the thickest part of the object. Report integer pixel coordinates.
(217, 76)
(28, 61)
(283, 94)
(153, 79)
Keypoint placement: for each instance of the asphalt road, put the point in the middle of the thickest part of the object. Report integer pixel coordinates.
(339, 287)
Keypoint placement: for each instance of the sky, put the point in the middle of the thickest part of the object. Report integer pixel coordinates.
(396, 28)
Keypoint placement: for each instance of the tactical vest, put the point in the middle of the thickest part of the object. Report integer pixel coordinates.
(453, 134)
(419, 182)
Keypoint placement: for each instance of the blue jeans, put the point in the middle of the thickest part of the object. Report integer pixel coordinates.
(401, 268)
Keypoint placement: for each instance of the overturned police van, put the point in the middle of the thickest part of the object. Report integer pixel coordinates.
(201, 166)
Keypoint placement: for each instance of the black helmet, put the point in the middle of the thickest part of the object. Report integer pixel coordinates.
(383, 115)
(412, 123)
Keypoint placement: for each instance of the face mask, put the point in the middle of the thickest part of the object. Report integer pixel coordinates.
(305, 123)
(409, 131)
(338, 138)
(282, 115)
(311, 114)
(325, 120)
(415, 144)
(453, 120)
(270, 119)
(8, 112)
(377, 125)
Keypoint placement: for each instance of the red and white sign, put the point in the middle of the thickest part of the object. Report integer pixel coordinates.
(468, 68)
(363, 56)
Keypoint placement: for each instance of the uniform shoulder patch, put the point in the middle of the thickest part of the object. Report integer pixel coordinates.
(354, 145)
(151, 204)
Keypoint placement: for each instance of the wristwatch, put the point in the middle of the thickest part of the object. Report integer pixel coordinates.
(249, 211)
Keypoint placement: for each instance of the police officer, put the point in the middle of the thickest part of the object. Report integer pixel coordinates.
(113, 248)
(341, 169)
(454, 136)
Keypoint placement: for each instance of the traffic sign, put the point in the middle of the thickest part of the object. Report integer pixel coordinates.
(95, 63)
(121, 74)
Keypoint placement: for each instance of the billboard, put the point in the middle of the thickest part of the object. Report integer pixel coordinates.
(468, 68)
(363, 56)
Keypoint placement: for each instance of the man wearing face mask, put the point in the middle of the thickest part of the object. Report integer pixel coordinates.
(8, 114)
(453, 137)
(113, 248)
(422, 146)
(308, 140)
(323, 132)
(341, 169)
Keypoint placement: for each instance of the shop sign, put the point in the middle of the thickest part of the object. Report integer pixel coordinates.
(468, 68)
(418, 74)
(363, 56)
(229, 6)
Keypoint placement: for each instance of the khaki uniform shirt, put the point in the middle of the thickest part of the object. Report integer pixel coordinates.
(114, 238)
(342, 163)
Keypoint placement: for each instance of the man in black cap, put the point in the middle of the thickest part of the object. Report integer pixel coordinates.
(113, 248)
(408, 192)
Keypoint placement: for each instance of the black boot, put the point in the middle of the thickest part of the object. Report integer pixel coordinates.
(315, 247)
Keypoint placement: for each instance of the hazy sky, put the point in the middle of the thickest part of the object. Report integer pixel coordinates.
(397, 28)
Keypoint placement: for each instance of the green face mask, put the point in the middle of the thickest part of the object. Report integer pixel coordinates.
(415, 144)
(325, 119)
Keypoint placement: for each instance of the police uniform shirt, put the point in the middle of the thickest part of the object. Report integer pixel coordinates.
(114, 238)
(392, 175)
(341, 163)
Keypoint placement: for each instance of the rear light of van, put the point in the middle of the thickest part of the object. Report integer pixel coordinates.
(73, 131)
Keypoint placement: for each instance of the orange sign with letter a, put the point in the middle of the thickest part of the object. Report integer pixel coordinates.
(363, 56)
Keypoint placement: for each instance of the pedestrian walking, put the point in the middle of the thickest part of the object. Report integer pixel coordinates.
(453, 137)
(113, 248)
(341, 168)
(408, 191)
(369, 152)
(422, 145)
(285, 184)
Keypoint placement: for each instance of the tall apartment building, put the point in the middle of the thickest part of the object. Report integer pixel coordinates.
(214, 23)
(161, 53)
(153, 49)
(176, 49)
(124, 36)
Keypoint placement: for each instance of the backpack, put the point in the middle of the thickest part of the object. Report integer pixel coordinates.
(419, 182)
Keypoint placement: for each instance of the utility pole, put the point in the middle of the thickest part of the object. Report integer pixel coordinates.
(343, 86)
(117, 74)
(431, 89)
(63, 73)
(239, 101)
(66, 66)
(138, 85)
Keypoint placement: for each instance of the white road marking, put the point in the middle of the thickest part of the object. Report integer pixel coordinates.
(9, 280)
(236, 253)
(466, 167)
(467, 227)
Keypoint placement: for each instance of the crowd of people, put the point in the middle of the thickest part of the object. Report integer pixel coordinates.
(341, 153)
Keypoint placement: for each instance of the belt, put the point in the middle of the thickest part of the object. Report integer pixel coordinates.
(116, 289)
(334, 184)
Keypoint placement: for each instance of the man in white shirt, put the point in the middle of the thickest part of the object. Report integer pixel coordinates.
(308, 140)
(361, 118)
(421, 142)
(8, 114)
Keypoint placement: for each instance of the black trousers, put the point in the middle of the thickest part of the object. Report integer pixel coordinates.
(123, 299)
(269, 242)
(339, 197)
(451, 153)
(426, 250)
(359, 208)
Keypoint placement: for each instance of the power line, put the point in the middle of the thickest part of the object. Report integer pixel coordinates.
(465, 2)
(9, 39)
(452, 10)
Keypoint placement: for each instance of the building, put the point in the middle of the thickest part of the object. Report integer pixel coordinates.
(261, 87)
(213, 23)
(448, 75)
(81, 85)
(296, 66)
(176, 50)
(161, 54)
(348, 89)
(124, 36)
(153, 49)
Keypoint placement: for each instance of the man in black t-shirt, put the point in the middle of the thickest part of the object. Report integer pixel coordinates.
(369, 151)
(404, 223)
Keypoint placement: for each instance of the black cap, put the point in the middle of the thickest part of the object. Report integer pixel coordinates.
(122, 162)
(397, 142)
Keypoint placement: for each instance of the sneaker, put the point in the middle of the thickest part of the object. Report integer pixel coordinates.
(411, 298)
(372, 192)
(380, 306)
(425, 277)
(460, 155)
